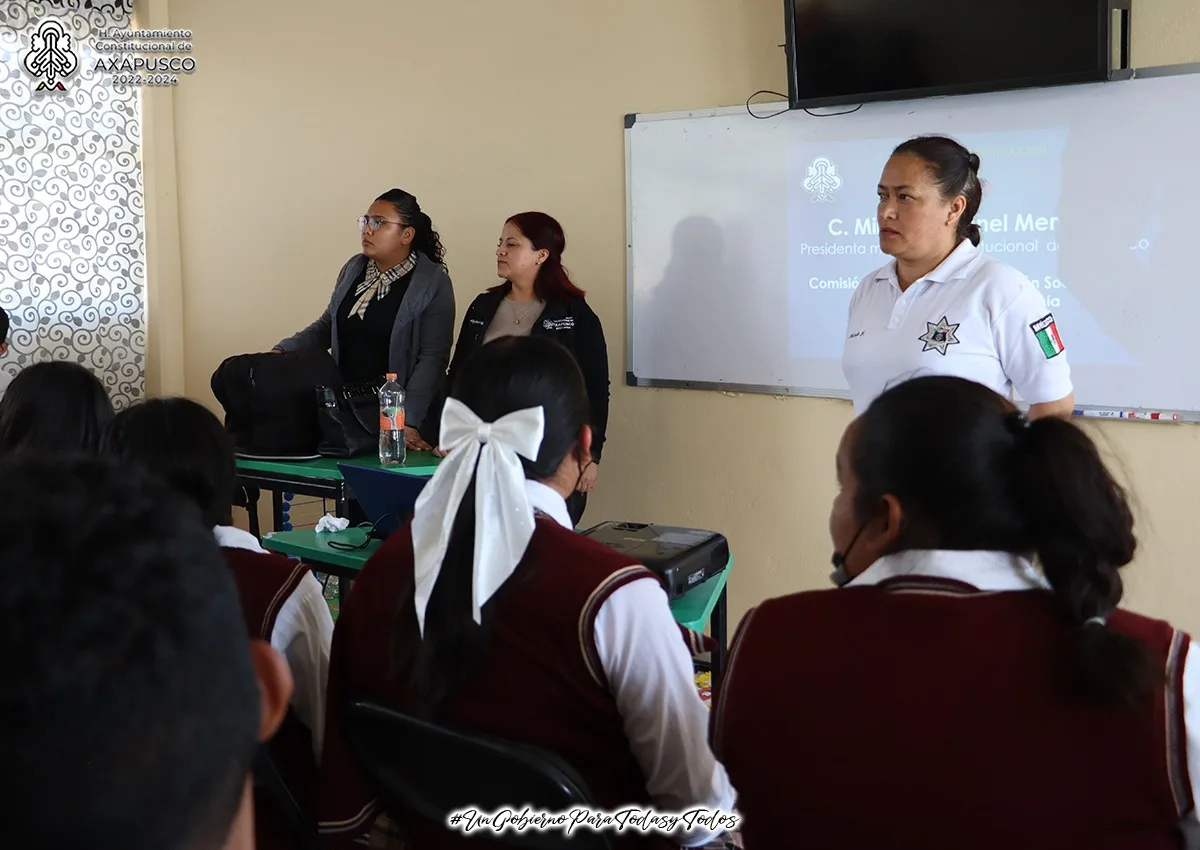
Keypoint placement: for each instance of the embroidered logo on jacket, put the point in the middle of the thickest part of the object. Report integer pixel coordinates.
(939, 337)
(1047, 336)
(559, 324)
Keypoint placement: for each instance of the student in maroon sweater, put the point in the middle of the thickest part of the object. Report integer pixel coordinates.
(952, 694)
(183, 443)
(550, 639)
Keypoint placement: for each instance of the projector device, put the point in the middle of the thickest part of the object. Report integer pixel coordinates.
(681, 557)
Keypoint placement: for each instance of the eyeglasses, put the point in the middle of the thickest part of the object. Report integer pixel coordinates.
(374, 222)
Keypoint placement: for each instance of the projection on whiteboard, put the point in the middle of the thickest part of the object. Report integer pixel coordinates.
(834, 233)
(748, 238)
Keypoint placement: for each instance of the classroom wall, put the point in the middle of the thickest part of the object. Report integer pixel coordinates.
(296, 117)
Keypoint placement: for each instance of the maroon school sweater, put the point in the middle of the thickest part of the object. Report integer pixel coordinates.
(264, 582)
(540, 682)
(921, 713)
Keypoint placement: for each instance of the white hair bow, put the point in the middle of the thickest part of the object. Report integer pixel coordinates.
(504, 520)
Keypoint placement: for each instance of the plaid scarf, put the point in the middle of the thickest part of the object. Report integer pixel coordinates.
(376, 284)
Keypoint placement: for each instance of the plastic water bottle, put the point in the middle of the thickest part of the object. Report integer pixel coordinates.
(391, 423)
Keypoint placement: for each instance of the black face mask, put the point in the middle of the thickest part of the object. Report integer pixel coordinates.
(839, 577)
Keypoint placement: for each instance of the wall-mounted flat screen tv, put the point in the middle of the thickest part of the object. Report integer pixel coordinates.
(854, 51)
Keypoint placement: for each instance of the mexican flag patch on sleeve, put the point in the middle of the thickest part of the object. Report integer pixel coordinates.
(1047, 336)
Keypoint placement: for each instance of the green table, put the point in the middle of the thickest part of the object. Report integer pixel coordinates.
(313, 548)
(317, 478)
(703, 604)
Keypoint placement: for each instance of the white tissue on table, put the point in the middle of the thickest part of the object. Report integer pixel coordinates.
(329, 522)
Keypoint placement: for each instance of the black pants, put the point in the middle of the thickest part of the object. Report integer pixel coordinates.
(576, 505)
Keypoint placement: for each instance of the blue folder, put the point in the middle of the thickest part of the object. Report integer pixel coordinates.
(387, 497)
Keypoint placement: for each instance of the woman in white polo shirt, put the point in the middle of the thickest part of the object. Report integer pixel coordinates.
(942, 307)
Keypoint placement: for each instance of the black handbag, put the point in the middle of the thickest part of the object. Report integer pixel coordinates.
(268, 404)
(348, 419)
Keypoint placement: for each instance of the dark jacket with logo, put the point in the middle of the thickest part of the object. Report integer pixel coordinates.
(569, 322)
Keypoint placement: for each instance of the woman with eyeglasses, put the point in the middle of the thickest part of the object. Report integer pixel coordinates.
(538, 298)
(392, 308)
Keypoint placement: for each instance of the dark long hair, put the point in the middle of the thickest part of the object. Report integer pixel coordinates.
(972, 474)
(185, 445)
(955, 170)
(505, 375)
(552, 283)
(427, 240)
(58, 407)
(134, 662)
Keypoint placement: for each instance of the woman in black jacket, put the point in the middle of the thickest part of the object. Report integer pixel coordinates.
(538, 298)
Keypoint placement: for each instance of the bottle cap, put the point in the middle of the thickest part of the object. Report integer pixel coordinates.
(391, 376)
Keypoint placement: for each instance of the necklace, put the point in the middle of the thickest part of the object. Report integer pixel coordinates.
(513, 306)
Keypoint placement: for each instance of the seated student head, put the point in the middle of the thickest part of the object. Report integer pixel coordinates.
(4, 325)
(58, 407)
(945, 463)
(506, 375)
(184, 444)
(510, 374)
(131, 703)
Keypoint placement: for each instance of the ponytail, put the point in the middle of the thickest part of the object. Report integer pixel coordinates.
(427, 240)
(435, 665)
(1083, 533)
(503, 376)
(987, 479)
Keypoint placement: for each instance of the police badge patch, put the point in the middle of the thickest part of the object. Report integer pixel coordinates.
(939, 337)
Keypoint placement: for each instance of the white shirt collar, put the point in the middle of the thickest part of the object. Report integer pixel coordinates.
(951, 268)
(544, 499)
(229, 537)
(987, 571)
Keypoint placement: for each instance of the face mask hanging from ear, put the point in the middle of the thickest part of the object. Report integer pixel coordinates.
(839, 576)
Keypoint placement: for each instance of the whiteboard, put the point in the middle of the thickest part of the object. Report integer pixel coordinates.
(747, 237)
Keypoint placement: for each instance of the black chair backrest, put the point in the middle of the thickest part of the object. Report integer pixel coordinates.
(268, 779)
(432, 771)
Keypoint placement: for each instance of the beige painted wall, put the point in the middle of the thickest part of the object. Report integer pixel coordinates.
(296, 117)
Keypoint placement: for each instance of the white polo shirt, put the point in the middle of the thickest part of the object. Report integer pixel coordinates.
(971, 317)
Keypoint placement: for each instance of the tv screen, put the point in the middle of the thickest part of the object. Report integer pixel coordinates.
(852, 51)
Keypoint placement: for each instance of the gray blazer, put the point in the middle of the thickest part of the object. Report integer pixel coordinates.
(419, 350)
